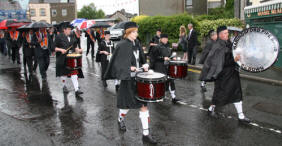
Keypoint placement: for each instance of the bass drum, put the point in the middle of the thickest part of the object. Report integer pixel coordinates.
(257, 49)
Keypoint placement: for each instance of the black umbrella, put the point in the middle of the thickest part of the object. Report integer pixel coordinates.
(100, 25)
(24, 28)
(40, 25)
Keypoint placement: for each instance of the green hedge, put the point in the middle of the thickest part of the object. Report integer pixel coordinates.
(169, 25)
(207, 25)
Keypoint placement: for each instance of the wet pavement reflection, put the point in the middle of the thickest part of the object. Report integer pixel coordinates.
(30, 107)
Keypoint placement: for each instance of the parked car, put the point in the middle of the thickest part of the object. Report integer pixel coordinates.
(117, 31)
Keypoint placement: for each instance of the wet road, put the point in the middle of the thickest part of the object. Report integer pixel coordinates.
(36, 113)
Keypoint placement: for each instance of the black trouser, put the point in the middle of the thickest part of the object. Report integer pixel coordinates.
(8, 49)
(192, 52)
(170, 83)
(90, 43)
(44, 61)
(28, 60)
(15, 54)
(104, 65)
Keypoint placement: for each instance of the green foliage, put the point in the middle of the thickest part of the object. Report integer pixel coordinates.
(169, 25)
(207, 25)
(90, 12)
(219, 13)
(206, 17)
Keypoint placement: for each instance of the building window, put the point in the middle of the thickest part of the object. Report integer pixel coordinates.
(64, 12)
(54, 22)
(54, 12)
(32, 12)
(189, 3)
(42, 12)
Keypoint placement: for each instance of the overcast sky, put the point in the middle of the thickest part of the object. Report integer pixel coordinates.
(111, 6)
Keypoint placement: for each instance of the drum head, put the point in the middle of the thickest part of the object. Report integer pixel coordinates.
(151, 76)
(258, 49)
(74, 55)
(177, 62)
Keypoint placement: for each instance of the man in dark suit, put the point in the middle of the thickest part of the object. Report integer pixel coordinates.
(192, 45)
(42, 50)
(15, 40)
(92, 37)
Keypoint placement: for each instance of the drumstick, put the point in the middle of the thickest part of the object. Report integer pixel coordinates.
(69, 48)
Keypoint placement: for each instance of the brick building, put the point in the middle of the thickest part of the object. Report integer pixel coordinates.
(52, 11)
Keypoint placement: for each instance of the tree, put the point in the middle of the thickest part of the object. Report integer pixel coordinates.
(90, 12)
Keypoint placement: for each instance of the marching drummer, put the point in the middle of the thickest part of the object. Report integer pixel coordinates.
(161, 55)
(227, 88)
(106, 50)
(126, 60)
(63, 42)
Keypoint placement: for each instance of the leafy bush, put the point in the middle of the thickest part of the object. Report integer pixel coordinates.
(169, 25)
(207, 25)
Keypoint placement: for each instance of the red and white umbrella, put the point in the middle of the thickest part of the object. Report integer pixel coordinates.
(86, 24)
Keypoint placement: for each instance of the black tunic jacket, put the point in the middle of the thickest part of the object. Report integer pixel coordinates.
(63, 42)
(160, 52)
(206, 51)
(123, 59)
(103, 47)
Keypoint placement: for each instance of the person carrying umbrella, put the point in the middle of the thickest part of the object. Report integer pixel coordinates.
(28, 52)
(42, 50)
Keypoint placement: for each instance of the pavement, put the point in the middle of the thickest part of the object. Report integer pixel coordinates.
(33, 112)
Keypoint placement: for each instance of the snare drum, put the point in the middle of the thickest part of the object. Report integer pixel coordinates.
(177, 69)
(74, 61)
(150, 86)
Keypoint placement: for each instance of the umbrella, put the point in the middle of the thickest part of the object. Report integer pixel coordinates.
(76, 22)
(6, 22)
(100, 25)
(120, 25)
(39, 25)
(24, 27)
(17, 24)
(86, 24)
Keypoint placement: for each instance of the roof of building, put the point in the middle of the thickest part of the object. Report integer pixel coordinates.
(123, 12)
(6, 5)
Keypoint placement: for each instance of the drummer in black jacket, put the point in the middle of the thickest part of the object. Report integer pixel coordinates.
(106, 50)
(161, 56)
(220, 67)
(127, 58)
(63, 42)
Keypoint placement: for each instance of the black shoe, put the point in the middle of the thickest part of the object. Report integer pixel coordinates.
(65, 89)
(105, 84)
(78, 92)
(117, 87)
(175, 100)
(149, 139)
(78, 97)
(204, 89)
(121, 125)
(244, 121)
